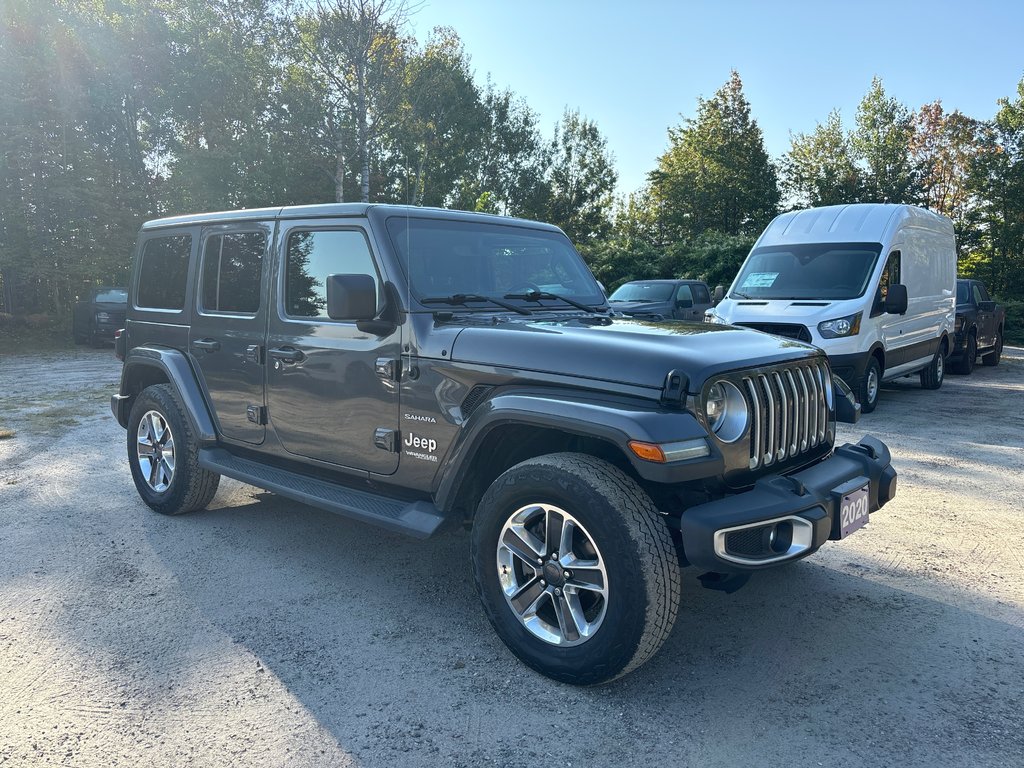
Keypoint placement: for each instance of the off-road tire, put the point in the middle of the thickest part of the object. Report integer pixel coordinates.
(864, 388)
(965, 364)
(992, 358)
(933, 376)
(191, 487)
(636, 549)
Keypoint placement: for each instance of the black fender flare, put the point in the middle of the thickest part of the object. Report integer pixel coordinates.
(178, 371)
(616, 422)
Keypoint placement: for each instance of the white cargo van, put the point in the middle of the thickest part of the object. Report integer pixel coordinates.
(874, 285)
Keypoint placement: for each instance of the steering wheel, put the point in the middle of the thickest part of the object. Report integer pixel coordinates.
(529, 288)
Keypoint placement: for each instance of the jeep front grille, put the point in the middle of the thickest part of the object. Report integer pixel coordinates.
(789, 411)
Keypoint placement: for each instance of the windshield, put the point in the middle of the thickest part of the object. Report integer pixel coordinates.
(446, 258)
(807, 271)
(112, 296)
(642, 292)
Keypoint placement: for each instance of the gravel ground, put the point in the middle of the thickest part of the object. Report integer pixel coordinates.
(265, 633)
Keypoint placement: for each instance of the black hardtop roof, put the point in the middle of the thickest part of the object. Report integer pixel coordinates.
(339, 210)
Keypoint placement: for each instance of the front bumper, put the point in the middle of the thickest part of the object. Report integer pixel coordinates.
(731, 535)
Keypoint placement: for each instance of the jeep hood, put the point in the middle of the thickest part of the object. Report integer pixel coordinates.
(625, 351)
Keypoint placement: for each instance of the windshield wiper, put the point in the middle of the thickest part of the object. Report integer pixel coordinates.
(741, 295)
(461, 299)
(538, 295)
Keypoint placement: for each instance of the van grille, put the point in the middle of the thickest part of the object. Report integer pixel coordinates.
(788, 330)
(790, 411)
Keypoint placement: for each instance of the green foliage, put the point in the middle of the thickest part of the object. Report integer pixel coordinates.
(716, 174)
(1013, 332)
(820, 168)
(882, 139)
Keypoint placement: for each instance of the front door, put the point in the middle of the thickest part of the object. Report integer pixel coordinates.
(228, 331)
(894, 328)
(329, 384)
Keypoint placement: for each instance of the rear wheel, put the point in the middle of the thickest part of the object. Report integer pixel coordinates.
(965, 364)
(576, 571)
(933, 376)
(992, 358)
(870, 384)
(164, 454)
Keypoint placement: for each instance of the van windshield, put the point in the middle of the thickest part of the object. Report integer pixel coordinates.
(807, 271)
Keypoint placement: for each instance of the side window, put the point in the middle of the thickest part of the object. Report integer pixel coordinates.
(163, 272)
(313, 255)
(683, 293)
(232, 268)
(890, 275)
(701, 295)
(980, 294)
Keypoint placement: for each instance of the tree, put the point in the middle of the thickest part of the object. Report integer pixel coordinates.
(359, 48)
(716, 174)
(820, 168)
(581, 179)
(882, 140)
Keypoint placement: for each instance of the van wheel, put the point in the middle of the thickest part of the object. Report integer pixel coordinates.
(164, 454)
(575, 568)
(933, 375)
(870, 384)
(965, 364)
(992, 358)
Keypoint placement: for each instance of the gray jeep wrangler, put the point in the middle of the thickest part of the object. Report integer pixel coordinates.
(411, 367)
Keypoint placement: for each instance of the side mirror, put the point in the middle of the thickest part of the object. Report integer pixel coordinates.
(351, 297)
(896, 300)
(685, 304)
(987, 306)
(847, 407)
(719, 294)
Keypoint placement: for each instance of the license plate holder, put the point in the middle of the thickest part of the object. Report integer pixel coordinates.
(852, 507)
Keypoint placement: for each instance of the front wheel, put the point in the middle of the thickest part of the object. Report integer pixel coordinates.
(870, 384)
(164, 454)
(577, 573)
(992, 358)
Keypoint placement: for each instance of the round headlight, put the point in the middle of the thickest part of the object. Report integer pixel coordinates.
(726, 411)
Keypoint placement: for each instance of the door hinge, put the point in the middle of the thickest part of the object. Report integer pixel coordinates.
(386, 439)
(257, 414)
(254, 354)
(387, 368)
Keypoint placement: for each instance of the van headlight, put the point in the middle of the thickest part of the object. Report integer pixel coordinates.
(840, 327)
(726, 411)
(710, 316)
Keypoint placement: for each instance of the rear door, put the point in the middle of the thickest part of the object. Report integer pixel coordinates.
(228, 335)
(332, 391)
(701, 300)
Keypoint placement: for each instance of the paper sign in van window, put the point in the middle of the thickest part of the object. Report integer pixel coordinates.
(759, 280)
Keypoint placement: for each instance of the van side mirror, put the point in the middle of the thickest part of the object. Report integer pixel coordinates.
(896, 300)
(719, 294)
(351, 297)
(684, 304)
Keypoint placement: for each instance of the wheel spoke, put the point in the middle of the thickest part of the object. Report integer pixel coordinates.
(166, 472)
(590, 579)
(567, 620)
(553, 526)
(154, 473)
(145, 449)
(565, 544)
(523, 544)
(527, 598)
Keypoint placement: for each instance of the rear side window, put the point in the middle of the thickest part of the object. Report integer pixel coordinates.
(163, 272)
(315, 254)
(980, 294)
(701, 295)
(232, 269)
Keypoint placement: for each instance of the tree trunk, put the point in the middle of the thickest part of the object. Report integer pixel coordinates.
(339, 168)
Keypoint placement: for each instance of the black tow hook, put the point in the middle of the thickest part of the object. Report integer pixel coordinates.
(724, 582)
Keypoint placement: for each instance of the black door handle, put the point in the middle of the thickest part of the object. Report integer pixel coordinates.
(287, 355)
(206, 345)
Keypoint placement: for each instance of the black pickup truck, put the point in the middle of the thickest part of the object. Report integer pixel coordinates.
(98, 315)
(979, 327)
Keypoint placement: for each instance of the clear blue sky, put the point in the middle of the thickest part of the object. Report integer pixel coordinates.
(637, 68)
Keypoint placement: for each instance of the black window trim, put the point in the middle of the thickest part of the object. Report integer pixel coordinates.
(286, 234)
(217, 230)
(156, 234)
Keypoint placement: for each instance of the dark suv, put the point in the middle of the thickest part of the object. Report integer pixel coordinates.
(410, 367)
(662, 299)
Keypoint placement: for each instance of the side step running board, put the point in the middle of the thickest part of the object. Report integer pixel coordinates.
(416, 518)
